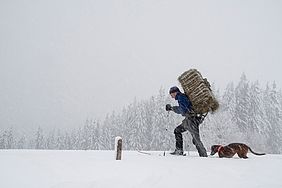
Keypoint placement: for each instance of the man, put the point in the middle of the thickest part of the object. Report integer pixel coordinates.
(190, 123)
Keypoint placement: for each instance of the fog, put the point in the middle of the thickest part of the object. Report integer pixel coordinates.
(62, 62)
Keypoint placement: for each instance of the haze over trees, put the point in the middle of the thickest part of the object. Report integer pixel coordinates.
(249, 113)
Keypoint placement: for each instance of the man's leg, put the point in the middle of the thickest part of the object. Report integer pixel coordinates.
(178, 137)
(193, 128)
(199, 145)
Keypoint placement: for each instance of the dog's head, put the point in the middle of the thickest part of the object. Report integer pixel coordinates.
(214, 149)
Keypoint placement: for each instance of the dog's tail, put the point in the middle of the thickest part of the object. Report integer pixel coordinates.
(255, 152)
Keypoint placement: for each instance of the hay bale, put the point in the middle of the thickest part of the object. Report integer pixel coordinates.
(199, 92)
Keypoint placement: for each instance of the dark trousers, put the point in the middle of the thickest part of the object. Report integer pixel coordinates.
(192, 125)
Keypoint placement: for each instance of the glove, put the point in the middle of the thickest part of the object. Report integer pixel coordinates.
(168, 107)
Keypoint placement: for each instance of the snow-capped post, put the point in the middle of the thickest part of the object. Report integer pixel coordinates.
(118, 147)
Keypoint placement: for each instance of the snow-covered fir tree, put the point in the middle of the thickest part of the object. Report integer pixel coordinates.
(248, 113)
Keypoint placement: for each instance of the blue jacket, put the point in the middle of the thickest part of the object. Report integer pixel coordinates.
(184, 103)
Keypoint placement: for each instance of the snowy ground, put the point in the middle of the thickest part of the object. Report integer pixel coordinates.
(98, 169)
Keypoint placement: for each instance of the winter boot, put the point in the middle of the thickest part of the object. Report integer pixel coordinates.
(177, 152)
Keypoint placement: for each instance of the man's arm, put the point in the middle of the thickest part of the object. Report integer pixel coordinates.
(177, 109)
(184, 104)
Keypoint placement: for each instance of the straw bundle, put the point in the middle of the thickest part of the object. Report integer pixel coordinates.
(199, 92)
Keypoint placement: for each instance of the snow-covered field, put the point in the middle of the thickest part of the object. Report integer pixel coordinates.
(98, 169)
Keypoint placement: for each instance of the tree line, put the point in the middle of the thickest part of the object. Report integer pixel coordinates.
(248, 113)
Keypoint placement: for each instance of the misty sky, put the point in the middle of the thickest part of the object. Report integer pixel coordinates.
(64, 61)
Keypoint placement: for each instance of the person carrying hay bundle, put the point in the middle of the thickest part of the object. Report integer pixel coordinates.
(190, 123)
(194, 104)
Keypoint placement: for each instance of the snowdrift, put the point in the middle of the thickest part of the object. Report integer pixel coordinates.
(99, 169)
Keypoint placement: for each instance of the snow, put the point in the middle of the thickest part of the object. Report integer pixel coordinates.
(99, 169)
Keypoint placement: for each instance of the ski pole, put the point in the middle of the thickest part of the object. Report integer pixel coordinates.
(166, 129)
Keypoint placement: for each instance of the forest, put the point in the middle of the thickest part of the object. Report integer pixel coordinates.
(249, 113)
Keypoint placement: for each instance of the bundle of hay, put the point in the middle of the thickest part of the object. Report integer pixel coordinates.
(199, 92)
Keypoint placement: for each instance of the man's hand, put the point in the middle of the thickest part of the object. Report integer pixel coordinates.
(168, 107)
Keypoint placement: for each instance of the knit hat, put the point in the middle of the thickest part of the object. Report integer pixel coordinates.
(173, 89)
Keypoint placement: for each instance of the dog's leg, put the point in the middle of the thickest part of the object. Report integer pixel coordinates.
(242, 155)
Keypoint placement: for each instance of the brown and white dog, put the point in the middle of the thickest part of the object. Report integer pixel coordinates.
(230, 150)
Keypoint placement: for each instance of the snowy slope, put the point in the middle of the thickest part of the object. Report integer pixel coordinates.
(98, 169)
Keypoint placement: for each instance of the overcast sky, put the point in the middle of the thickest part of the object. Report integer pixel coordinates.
(62, 61)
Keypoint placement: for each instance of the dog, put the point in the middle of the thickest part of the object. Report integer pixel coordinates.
(230, 150)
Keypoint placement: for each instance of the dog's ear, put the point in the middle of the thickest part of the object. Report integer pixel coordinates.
(213, 147)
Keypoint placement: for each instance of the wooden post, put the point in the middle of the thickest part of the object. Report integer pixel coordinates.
(118, 147)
